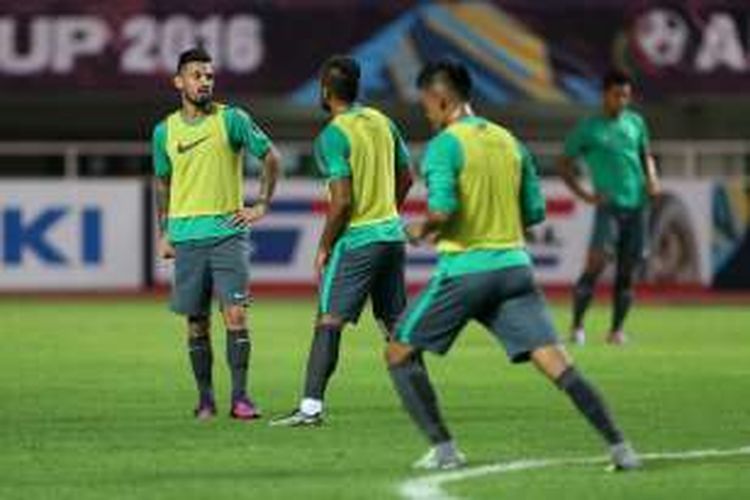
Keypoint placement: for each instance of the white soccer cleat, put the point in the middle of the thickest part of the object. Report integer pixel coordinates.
(578, 337)
(441, 457)
(624, 458)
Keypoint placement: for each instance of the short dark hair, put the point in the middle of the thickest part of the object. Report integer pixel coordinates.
(340, 75)
(449, 72)
(196, 54)
(615, 77)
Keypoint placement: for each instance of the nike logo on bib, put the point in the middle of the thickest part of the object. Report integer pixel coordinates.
(184, 148)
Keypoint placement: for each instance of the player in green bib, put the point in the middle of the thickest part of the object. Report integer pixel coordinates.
(198, 154)
(483, 192)
(614, 145)
(361, 251)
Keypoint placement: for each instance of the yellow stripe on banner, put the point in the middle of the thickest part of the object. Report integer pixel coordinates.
(528, 85)
(503, 30)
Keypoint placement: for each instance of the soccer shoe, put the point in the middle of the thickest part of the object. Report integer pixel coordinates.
(244, 409)
(578, 337)
(624, 458)
(442, 457)
(205, 410)
(298, 418)
(617, 337)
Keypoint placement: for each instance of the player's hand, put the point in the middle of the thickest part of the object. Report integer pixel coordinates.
(321, 259)
(653, 188)
(165, 249)
(415, 233)
(249, 215)
(593, 198)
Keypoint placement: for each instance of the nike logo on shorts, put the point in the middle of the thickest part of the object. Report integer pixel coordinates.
(184, 148)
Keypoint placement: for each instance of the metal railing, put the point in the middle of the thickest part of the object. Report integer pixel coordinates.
(676, 158)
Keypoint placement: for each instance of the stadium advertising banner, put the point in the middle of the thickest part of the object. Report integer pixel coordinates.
(71, 235)
(284, 243)
(545, 51)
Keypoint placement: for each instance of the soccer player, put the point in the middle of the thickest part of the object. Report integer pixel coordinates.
(198, 154)
(614, 145)
(482, 192)
(361, 251)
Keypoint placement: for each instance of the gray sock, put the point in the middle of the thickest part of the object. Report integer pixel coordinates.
(588, 401)
(582, 295)
(322, 360)
(201, 360)
(238, 356)
(413, 385)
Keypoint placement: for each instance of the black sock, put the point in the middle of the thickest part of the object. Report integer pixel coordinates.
(322, 360)
(582, 295)
(588, 401)
(622, 301)
(418, 397)
(238, 356)
(201, 359)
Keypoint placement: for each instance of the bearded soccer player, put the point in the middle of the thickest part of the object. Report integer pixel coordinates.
(198, 154)
(361, 251)
(614, 145)
(482, 192)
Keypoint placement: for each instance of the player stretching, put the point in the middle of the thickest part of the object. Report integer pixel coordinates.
(361, 250)
(482, 192)
(198, 154)
(615, 147)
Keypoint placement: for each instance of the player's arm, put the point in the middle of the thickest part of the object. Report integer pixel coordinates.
(245, 134)
(332, 157)
(532, 203)
(575, 145)
(653, 186)
(402, 160)
(337, 219)
(440, 168)
(162, 184)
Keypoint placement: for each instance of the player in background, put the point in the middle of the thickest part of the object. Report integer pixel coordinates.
(361, 251)
(198, 155)
(614, 145)
(483, 191)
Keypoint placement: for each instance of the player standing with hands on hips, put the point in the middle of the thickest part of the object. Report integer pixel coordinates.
(198, 155)
(614, 145)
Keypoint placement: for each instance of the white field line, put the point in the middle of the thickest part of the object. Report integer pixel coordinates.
(430, 487)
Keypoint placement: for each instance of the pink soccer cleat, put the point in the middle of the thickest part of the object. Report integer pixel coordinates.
(244, 409)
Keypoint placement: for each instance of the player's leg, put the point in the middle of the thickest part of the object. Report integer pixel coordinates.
(230, 271)
(555, 363)
(596, 260)
(431, 322)
(191, 297)
(523, 325)
(344, 288)
(201, 361)
(389, 288)
(629, 254)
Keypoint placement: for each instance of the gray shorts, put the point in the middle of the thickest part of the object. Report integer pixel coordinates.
(505, 301)
(352, 275)
(219, 265)
(620, 232)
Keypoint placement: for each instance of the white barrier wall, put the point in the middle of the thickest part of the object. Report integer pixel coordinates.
(284, 243)
(71, 235)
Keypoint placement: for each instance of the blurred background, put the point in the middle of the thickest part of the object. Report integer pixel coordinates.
(82, 84)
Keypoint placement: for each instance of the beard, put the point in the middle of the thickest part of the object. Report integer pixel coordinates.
(202, 101)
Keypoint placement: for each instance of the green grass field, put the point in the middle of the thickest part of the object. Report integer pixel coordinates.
(95, 400)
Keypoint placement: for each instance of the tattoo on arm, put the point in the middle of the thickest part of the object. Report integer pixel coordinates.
(269, 176)
(162, 186)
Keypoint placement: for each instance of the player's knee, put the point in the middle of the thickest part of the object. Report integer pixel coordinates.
(397, 353)
(235, 317)
(199, 326)
(328, 321)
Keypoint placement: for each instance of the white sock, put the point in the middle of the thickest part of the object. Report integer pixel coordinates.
(311, 406)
